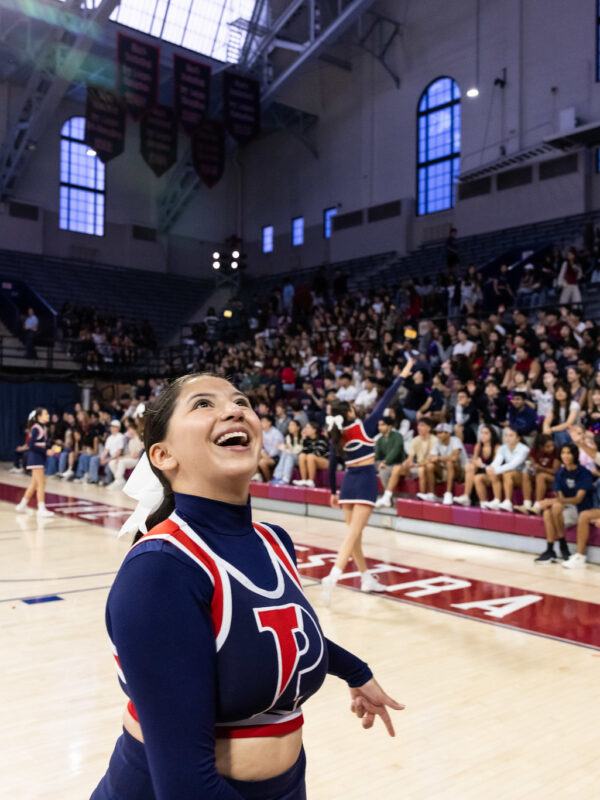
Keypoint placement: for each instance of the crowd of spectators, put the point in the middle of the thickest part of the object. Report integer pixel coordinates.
(494, 402)
(101, 341)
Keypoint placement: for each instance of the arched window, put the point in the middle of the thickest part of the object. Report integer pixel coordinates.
(82, 186)
(438, 132)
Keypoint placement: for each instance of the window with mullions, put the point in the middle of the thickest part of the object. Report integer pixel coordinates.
(328, 215)
(297, 231)
(438, 134)
(267, 239)
(82, 183)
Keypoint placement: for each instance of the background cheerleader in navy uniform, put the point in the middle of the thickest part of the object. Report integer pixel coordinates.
(352, 442)
(214, 641)
(36, 463)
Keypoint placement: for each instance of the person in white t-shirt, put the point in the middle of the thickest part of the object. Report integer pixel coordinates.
(367, 396)
(114, 447)
(347, 391)
(464, 346)
(447, 460)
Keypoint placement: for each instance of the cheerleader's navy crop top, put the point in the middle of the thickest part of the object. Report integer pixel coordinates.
(213, 636)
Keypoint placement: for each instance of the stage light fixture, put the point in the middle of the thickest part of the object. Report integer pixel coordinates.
(234, 265)
(235, 254)
(228, 313)
(473, 92)
(216, 255)
(216, 264)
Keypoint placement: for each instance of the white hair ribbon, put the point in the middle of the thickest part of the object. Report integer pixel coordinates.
(337, 421)
(143, 486)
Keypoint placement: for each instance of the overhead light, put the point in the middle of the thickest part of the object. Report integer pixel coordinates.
(216, 264)
(235, 254)
(216, 255)
(473, 92)
(90, 152)
(228, 313)
(234, 265)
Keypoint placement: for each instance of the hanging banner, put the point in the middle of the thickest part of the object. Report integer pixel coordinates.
(137, 74)
(208, 151)
(158, 139)
(241, 104)
(104, 123)
(191, 86)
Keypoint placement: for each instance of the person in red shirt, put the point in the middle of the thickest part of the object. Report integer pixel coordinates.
(288, 378)
(544, 463)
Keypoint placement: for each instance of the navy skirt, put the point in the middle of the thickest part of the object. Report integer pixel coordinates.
(35, 459)
(128, 778)
(359, 485)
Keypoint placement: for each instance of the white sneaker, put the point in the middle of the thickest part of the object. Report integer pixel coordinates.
(432, 498)
(17, 470)
(422, 495)
(257, 477)
(328, 584)
(536, 508)
(448, 499)
(506, 505)
(463, 500)
(44, 512)
(298, 483)
(385, 501)
(23, 508)
(116, 486)
(576, 561)
(309, 484)
(493, 505)
(370, 583)
(68, 474)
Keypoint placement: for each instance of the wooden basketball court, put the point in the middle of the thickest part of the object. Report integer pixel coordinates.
(492, 712)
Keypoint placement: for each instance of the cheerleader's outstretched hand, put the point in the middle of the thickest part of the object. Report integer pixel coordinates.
(370, 701)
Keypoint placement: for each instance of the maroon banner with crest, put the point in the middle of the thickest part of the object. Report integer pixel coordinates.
(158, 139)
(241, 104)
(104, 123)
(208, 151)
(191, 87)
(137, 74)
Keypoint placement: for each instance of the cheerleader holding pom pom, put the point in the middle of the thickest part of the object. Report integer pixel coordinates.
(36, 463)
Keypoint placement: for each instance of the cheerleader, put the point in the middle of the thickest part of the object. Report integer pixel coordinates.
(36, 462)
(352, 441)
(214, 640)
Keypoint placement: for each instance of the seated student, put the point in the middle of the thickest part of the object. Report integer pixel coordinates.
(269, 456)
(520, 416)
(446, 461)
(573, 485)
(389, 452)
(483, 454)
(438, 397)
(133, 450)
(419, 451)
(289, 452)
(464, 417)
(564, 413)
(588, 452)
(282, 418)
(314, 455)
(20, 457)
(505, 472)
(586, 518)
(417, 400)
(544, 463)
(493, 406)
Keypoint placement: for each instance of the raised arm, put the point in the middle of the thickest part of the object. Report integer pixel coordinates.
(370, 423)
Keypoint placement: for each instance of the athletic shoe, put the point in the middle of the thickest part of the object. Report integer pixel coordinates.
(547, 557)
(384, 502)
(309, 484)
(44, 512)
(67, 475)
(327, 586)
(463, 500)
(22, 508)
(536, 508)
(448, 499)
(17, 470)
(506, 505)
(522, 509)
(91, 482)
(370, 583)
(275, 481)
(576, 561)
(564, 550)
(116, 486)
(429, 497)
(492, 505)
(299, 483)
(79, 480)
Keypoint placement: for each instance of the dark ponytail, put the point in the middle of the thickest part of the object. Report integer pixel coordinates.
(156, 424)
(340, 408)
